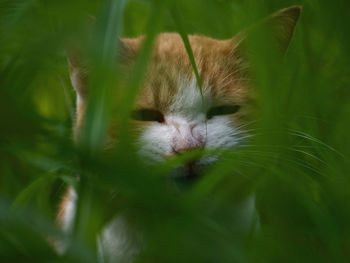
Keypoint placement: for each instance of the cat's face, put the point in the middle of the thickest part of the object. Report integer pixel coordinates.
(171, 115)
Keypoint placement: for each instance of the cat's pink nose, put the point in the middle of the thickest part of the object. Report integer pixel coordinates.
(186, 140)
(185, 147)
(185, 135)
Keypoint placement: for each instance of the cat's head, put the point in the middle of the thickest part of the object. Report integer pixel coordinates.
(172, 115)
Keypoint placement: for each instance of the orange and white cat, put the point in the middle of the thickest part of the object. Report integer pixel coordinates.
(168, 110)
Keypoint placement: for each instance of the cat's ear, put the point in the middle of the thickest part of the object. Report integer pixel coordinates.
(279, 26)
(78, 68)
(76, 51)
(79, 62)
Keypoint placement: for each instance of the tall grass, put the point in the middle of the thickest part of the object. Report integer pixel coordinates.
(296, 163)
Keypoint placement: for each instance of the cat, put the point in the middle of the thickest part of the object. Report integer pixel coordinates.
(168, 111)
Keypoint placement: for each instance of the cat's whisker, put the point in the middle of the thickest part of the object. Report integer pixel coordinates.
(301, 135)
(246, 137)
(246, 124)
(241, 134)
(237, 132)
(306, 136)
(266, 156)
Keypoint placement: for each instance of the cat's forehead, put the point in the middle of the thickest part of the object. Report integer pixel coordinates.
(170, 83)
(210, 54)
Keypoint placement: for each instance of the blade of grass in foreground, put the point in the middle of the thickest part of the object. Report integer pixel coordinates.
(182, 32)
(153, 27)
(89, 220)
(102, 76)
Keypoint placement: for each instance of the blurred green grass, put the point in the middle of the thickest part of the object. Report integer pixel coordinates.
(298, 165)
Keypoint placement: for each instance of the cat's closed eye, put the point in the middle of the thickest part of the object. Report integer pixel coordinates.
(222, 110)
(147, 115)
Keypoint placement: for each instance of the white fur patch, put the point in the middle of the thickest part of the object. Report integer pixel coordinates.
(188, 99)
(117, 242)
(70, 211)
(68, 220)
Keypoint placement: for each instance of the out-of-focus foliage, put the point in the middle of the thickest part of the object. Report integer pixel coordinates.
(297, 164)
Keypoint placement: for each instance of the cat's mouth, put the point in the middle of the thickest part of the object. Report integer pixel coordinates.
(191, 170)
(188, 174)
